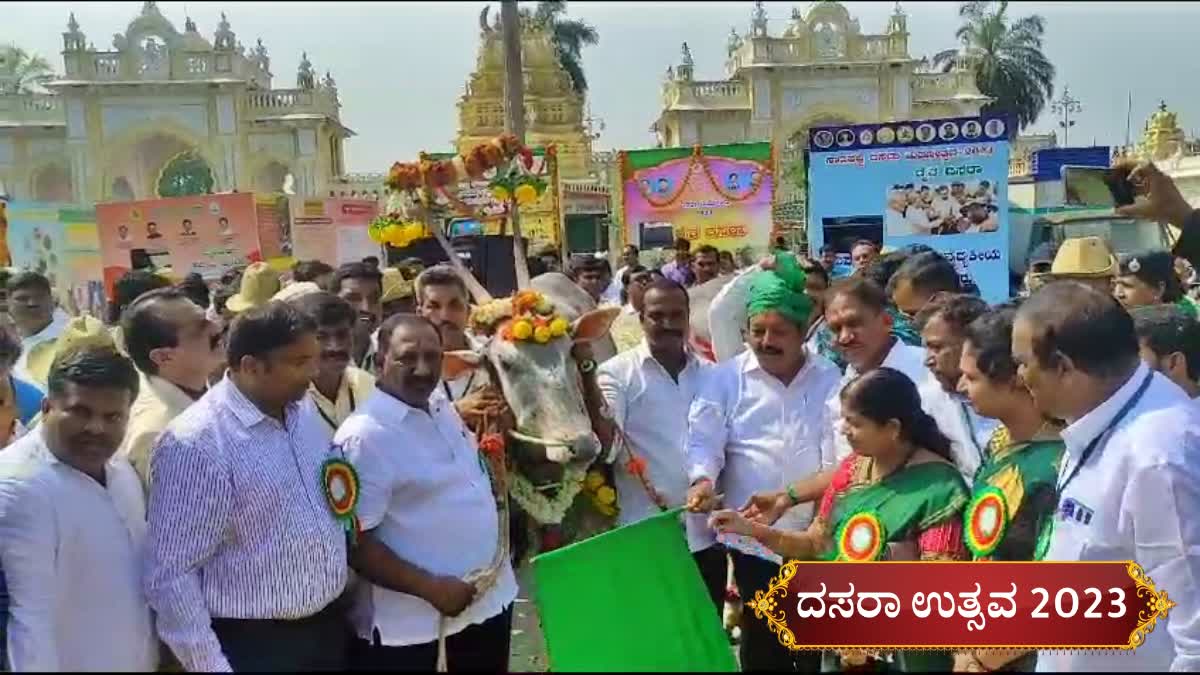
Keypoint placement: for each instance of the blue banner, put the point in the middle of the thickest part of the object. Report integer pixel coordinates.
(942, 183)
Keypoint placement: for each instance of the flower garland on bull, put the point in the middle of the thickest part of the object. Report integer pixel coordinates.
(566, 509)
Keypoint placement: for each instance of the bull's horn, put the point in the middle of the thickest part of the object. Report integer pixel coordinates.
(483, 19)
(478, 292)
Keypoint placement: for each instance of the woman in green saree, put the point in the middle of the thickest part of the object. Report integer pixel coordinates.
(1014, 493)
(898, 496)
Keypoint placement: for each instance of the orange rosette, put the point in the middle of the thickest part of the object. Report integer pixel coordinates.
(860, 539)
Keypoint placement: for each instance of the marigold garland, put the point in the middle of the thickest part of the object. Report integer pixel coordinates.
(697, 159)
(528, 316)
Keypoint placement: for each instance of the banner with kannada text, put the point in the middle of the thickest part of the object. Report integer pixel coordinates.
(206, 234)
(961, 605)
(333, 230)
(714, 194)
(941, 182)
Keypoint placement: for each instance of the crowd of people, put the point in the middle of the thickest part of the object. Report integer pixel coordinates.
(281, 472)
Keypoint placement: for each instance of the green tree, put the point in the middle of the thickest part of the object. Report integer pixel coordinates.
(22, 70)
(570, 37)
(186, 174)
(1007, 58)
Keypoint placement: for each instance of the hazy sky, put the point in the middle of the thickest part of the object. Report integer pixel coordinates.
(402, 66)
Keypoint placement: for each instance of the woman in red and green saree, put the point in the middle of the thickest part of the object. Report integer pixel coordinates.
(1014, 493)
(898, 496)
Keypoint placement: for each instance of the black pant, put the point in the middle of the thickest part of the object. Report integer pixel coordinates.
(482, 647)
(760, 648)
(319, 642)
(714, 569)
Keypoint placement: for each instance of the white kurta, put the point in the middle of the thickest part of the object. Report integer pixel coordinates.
(968, 431)
(749, 432)
(1136, 498)
(652, 410)
(904, 358)
(71, 550)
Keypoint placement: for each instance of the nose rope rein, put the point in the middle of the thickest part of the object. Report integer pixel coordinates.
(492, 446)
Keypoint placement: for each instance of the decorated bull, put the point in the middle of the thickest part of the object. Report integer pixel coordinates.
(525, 343)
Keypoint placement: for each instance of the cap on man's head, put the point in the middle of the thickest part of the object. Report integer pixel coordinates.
(1084, 257)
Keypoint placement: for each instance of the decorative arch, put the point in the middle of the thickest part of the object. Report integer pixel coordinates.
(51, 183)
(121, 191)
(269, 174)
(185, 174)
(126, 155)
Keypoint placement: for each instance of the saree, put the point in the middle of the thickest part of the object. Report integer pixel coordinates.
(912, 513)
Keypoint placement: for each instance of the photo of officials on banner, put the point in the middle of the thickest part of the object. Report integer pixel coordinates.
(941, 182)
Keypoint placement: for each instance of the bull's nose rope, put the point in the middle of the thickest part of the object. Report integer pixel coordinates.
(526, 438)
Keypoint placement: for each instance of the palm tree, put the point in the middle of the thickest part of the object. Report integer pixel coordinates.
(25, 70)
(570, 37)
(1008, 60)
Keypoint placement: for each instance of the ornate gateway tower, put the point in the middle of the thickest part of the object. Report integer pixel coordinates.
(164, 113)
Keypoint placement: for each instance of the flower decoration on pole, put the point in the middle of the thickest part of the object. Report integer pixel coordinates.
(514, 180)
(394, 230)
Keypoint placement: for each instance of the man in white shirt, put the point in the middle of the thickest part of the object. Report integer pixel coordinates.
(757, 424)
(894, 221)
(1129, 486)
(175, 347)
(629, 260)
(862, 333)
(647, 391)
(1169, 342)
(38, 320)
(943, 324)
(72, 526)
(429, 520)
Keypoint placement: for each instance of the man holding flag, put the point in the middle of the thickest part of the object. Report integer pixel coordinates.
(756, 425)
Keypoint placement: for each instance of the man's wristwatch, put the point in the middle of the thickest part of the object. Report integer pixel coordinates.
(587, 366)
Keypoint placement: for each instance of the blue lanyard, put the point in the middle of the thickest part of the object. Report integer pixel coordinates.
(1105, 433)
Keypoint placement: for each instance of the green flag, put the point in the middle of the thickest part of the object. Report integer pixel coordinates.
(629, 600)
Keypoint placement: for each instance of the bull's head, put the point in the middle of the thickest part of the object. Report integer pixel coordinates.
(527, 350)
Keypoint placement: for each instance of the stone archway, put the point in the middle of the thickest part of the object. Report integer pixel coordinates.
(121, 190)
(270, 177)
(136, 159)
(790, 210)
(52, 184)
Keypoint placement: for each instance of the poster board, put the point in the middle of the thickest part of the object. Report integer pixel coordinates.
(717, 194)
(476, 211)
(333, 230)
(938, 182)
(206, 234)
(273, 212)
(59, 241)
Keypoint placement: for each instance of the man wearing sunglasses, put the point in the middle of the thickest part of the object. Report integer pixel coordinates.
(175, 348)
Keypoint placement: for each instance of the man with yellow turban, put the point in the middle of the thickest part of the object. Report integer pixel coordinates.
(756, 425)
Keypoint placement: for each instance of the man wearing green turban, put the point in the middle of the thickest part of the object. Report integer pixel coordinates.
(780, 289)
(757, 424)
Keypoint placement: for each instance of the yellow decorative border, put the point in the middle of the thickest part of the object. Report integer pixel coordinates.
(1160, 605)
(766, 606)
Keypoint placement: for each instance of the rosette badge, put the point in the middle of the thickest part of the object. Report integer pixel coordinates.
(340, 483)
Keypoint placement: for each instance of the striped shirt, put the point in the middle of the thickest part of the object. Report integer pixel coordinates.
(239, 525)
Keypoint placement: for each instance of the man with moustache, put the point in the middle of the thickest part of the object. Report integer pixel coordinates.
(862, 254)
(943, 323)
(361, 285)
(246, 561)
(856, 312)
(757, 423)
(442, 298)
(428, 517)
(705, 264)
(1129, 484)
(339, 388)
(175, 348)
(72, 525)
(647, 391)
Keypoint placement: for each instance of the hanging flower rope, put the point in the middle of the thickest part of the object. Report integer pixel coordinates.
(695, 162)
(636, 466)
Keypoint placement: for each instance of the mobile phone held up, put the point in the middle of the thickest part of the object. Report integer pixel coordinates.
(1096, 186)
